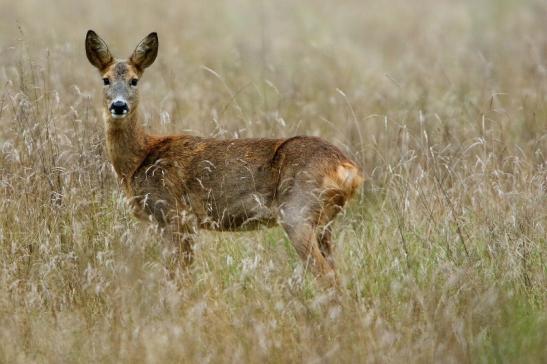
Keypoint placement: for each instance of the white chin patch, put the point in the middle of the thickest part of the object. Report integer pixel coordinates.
(118, 116)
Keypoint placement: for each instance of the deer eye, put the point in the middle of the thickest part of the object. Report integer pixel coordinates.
(134, 82)
(106, 81)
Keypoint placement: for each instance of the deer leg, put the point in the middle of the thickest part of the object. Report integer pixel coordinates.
(324, 238)
(298, 222)
(303, 238)
(177, 230)
(332, 202)
(181, 257)
(305, 212)
(184, 250)
(182, 254)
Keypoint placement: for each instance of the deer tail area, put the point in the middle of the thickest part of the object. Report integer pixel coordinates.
(347, 178)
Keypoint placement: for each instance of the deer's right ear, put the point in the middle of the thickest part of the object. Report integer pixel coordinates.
(97, 51)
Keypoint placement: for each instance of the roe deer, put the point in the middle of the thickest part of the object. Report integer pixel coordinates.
(184, 183)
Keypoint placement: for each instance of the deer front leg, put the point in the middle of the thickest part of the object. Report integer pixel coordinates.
(181, 255)
(177, 229)
(183, 244)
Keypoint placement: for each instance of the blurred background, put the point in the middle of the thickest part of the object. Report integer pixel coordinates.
(259, 68)
(441, 256)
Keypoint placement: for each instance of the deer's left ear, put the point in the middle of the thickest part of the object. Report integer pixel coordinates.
(145, 53)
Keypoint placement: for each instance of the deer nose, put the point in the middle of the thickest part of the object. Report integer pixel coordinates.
(119, 107)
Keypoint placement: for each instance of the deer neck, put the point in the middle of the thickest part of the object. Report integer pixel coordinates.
(125, 144)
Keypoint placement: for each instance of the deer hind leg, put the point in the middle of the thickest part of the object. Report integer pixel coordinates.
(304, 240)
(299, 220)
(332, 202)
(324, 239)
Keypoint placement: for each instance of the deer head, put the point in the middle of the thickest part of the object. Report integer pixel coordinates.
(120, 76)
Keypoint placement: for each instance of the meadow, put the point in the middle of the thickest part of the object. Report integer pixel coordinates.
(441, 256)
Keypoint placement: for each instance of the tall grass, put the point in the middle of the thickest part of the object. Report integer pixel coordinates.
(441, 256)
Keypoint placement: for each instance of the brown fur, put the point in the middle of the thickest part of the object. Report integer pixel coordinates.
(185, 183)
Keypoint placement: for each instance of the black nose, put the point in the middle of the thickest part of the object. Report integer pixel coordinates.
(119, 107)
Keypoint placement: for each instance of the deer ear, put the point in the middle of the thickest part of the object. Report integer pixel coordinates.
(97, 51)
(146, 52)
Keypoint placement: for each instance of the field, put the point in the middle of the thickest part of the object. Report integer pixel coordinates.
(442, 255)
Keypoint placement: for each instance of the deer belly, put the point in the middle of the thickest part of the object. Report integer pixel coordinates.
(247, 212)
